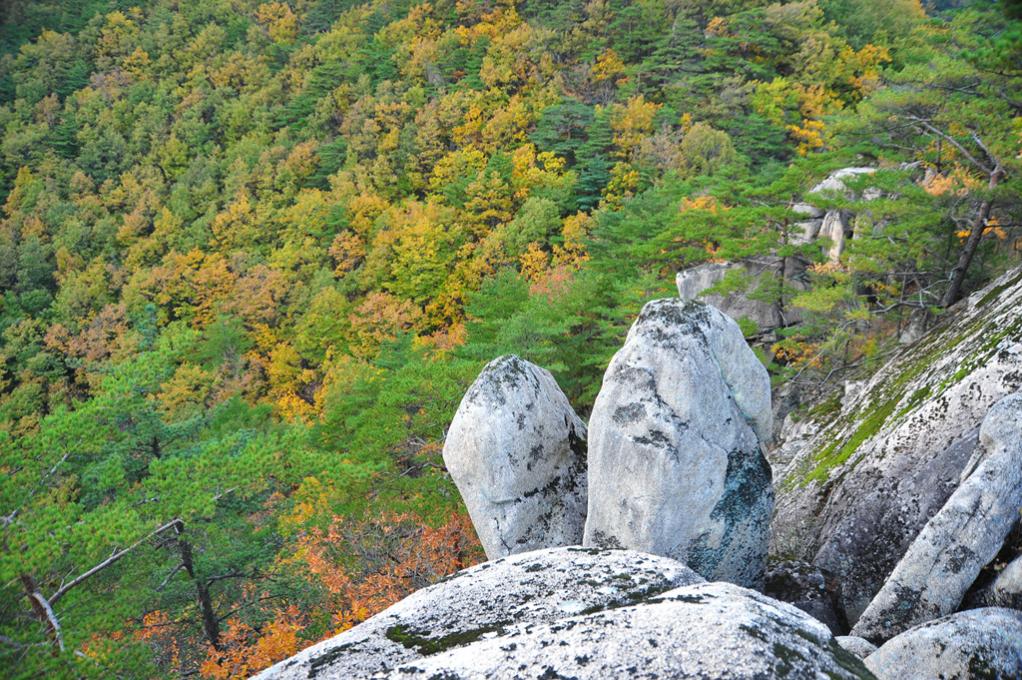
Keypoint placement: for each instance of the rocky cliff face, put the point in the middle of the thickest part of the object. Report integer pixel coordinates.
(855, 492)
(894, 504)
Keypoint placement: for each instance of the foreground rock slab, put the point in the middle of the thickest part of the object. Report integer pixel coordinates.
(534, 587)
(979, 643)
(517, 453)
(675, 463)
(944, 560)
(711, 630)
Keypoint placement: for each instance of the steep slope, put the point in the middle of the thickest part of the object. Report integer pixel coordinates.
(854, 494)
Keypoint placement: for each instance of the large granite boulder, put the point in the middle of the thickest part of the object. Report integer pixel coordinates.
(711, 630)
(517, 453)
(675, 463)
(947, 555)
(979, 643)
(527, 588)
(853, 496)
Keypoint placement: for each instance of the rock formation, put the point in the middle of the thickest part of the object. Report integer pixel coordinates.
(945, 558)
(899, 499)
(808, 588)
(858, 646)
(711, 630)
(1006, 590)
(834, 225)
(516, 451)
(523, 589)
(758, 303)
(675, 466)
(854, 495)
(980, 643)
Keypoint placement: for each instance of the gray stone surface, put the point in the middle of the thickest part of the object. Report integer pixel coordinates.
(675, 464)
(835, 181)
(711, 630)
(527, 588)
(757, 302)
(808, 210)
(853, 495)
(808, 588)
(1006, 590)
(517, 453)
(979, 643)
(835, 228)
(858, 646)
(967, 533)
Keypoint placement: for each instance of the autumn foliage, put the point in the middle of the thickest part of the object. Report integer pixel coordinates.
(253, 253)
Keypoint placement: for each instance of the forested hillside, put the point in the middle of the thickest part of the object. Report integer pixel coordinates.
(253, 253)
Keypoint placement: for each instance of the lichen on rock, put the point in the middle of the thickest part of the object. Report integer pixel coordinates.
(675, 460)
(853, 496)
(526, 588)
(711, 630)
(517, 452)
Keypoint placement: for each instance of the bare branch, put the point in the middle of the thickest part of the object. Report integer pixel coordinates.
(43, 609)
(108, 561)
(950, 140)
(173, 571)
(990, 156)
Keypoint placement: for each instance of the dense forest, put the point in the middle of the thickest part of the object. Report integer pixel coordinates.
(252, 254)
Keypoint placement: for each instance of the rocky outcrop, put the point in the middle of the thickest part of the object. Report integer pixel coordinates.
(523, 589)
(809, 589)
(980, 643)
(675, 464)
(516, 450)
(917, 471)
(853, 496)
(836, 182)
(758, 290)
(757, 300)
(858, 646)
(712, 630)
(835, 226)
(947, 555)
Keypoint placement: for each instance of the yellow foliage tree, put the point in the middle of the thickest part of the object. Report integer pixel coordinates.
(631, 122)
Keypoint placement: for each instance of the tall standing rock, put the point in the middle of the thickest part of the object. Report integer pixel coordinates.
(940, 565)
(675, 463)
(517, 452)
